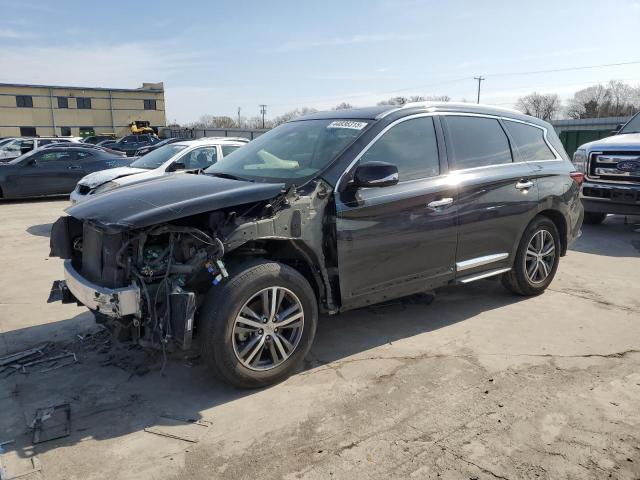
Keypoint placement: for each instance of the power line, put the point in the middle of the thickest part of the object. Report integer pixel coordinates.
(460, 79)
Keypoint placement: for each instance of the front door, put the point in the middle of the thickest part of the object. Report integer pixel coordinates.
(50, 172)
(398, 240)
(497, 196)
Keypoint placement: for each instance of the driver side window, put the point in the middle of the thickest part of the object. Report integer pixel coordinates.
(411, 146)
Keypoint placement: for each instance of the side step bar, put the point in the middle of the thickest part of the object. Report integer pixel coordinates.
(481, 275)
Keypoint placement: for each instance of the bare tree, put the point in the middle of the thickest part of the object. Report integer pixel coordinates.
(544, 106)
(213, 121)
(587, 103)
(438, 98)
(285, 117)
(342, 106)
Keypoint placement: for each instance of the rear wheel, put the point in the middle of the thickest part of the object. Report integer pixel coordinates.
(594, 218)
(536, 260)
(257, 327)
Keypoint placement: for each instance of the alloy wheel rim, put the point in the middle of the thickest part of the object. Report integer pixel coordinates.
(268, 328)
(540, 256)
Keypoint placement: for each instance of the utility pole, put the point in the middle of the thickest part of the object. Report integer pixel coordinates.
(239, 125)
(479, 79)
(263, 112)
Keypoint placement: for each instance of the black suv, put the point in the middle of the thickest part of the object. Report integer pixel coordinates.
(131, 143)
(326, 213)
(612, 173)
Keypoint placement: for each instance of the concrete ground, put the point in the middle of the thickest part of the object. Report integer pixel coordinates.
(479, 384)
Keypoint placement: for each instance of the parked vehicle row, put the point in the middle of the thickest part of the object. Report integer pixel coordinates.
(325, 213)
(54, 169)
(185, 156)
(14, 147)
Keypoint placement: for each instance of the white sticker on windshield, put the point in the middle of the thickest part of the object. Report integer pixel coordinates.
(347, 124)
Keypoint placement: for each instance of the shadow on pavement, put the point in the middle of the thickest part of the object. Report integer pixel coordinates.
(111, 396)
(42, 230)
(617, 236)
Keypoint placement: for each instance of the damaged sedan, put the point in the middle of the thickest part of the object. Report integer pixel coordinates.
(326, 213)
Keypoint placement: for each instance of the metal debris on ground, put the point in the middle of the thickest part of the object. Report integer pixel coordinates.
(51, 423)
(46, 355)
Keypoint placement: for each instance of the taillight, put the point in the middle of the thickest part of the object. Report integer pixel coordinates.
(577, 177)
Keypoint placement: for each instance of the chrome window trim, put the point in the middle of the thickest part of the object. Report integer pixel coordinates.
(544, 136)
(375, 139)
(557, 158)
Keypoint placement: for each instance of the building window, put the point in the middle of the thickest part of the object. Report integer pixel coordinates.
(83, 103)
(28, 131)
(24, 101)
(150, 105)
(65, 131)
(63, 102)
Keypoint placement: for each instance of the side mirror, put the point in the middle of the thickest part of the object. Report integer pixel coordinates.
(375, 174)
(618, 128)
(177, 166)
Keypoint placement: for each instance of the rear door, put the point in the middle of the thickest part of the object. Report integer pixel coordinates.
(498, 194)
(400, 239)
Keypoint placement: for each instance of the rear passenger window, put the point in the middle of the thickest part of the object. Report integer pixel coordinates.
(476, 142)
(411, 146)
(529, 141)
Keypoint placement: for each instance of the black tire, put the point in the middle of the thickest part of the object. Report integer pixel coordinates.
(594, 218)
(517, 280)
(223, 304)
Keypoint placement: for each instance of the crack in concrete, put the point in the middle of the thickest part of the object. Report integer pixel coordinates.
(334, 365)
(599, 301)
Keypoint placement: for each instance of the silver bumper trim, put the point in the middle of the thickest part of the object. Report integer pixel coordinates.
(114, 302)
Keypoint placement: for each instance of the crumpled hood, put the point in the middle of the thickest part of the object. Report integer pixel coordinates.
(168, 198)
(103, 176)
(626, 141)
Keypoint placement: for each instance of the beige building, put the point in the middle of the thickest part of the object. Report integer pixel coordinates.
(49, 110)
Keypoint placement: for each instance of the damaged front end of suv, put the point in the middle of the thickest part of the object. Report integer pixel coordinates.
(146, 282)
(241, 255)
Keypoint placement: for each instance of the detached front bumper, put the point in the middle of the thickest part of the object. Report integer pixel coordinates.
(116, 302)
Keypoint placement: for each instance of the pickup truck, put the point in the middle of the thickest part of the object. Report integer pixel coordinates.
(612, 173)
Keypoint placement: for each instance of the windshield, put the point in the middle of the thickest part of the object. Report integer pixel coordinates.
(291, 153)
(5, 141)
(156, 158)
(633, 126)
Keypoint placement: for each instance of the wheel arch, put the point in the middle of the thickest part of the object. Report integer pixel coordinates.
(293, 253)
(561, 224)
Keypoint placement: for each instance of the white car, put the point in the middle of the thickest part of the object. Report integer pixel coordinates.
(20, 146)
(169, 159)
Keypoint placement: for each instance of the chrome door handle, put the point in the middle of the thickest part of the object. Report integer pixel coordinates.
(443, 202)
(524, 184)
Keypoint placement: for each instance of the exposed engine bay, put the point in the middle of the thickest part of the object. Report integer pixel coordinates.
(147, 284)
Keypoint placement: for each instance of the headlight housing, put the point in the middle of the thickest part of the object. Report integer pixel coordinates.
(105, 187)
(580, 160)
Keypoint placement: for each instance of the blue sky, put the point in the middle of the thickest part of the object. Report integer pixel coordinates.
(217, 56)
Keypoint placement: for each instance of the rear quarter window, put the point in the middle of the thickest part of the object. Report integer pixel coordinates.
(529, 141)
(475, 142)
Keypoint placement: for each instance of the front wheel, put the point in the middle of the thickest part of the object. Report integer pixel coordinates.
(536, 260)
(258, 326)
